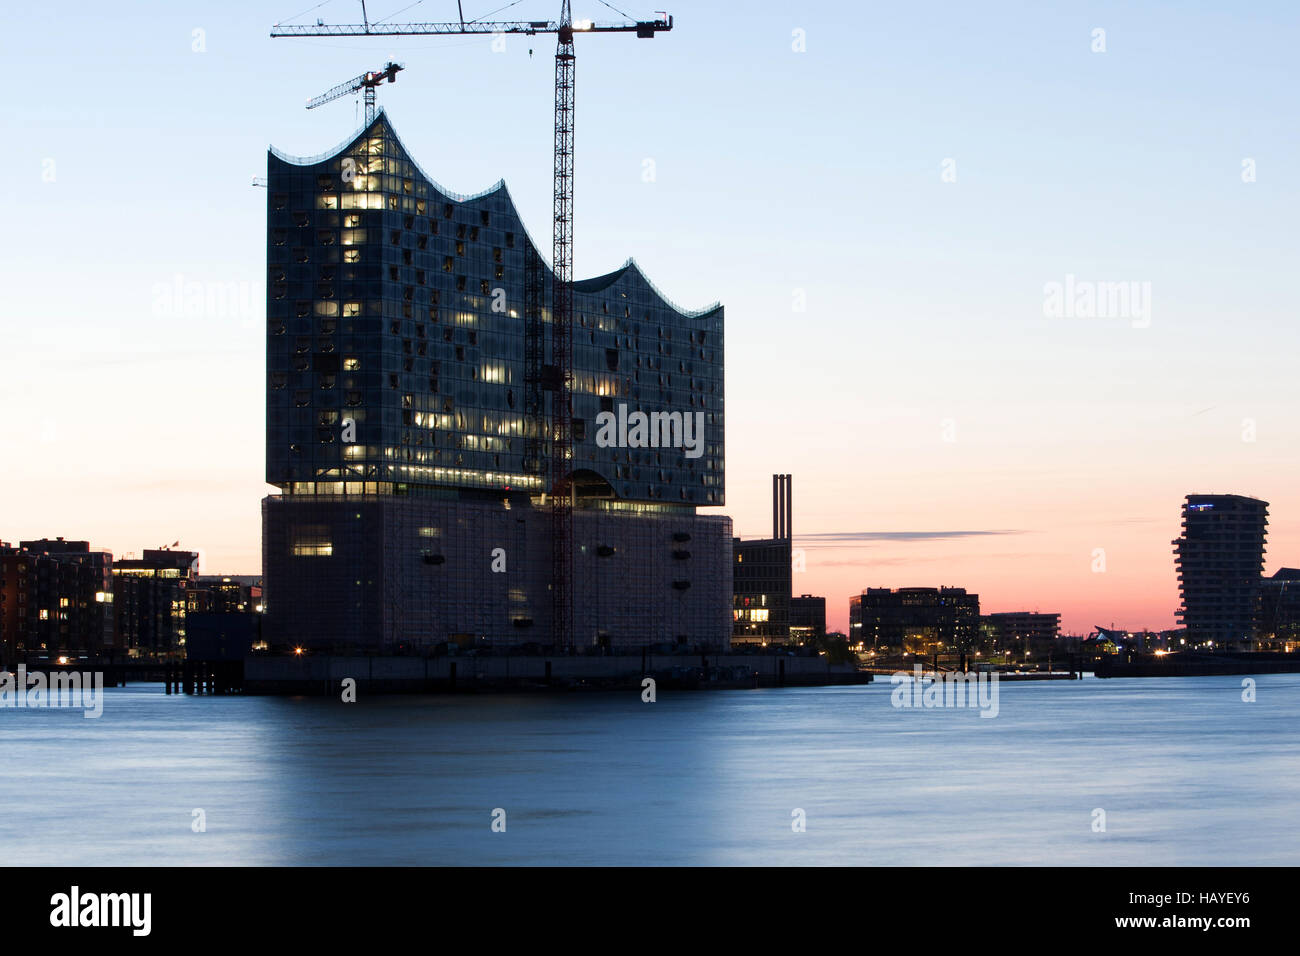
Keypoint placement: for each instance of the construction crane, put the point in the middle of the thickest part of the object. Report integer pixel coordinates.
(367, 82)
(559, 377)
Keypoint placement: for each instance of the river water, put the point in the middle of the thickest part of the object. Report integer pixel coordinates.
(1185, 771)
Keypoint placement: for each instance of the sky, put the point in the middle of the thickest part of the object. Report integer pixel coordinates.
(910, 211)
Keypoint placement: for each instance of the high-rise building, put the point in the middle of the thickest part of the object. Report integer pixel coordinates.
(762, 576)
(914, 620)
(1220, 558)
(408, 402)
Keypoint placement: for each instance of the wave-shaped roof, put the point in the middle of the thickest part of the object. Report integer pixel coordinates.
(630, 270)
(633, 272)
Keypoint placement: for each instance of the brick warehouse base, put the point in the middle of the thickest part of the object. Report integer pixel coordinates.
(378, 572)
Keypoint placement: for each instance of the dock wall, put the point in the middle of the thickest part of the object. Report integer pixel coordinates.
(323, 674)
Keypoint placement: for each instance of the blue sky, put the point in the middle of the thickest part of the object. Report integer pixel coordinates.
(779, 176)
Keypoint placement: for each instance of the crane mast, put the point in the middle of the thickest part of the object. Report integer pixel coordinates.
(558, 378)
(562, 340)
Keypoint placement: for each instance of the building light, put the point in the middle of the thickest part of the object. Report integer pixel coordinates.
(313, 550)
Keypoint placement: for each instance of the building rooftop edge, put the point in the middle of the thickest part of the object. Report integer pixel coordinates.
(589, 285)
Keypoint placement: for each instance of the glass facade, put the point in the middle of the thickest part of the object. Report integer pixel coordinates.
(397, 344)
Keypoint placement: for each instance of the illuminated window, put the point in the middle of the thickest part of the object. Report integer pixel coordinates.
(313, 541)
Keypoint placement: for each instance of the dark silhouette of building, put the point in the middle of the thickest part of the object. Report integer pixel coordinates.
(1220, 558)
(223, 616)
(55, 598)
(807, 617)
(408, 396)
(1279, 609)
(1020, 632)
(914, 620)
(221, 636)
(762, 576)
(150, 601)
(225, 594)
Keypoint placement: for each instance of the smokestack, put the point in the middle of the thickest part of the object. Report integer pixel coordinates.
(789, 507)
(776, 506)
(782, 507)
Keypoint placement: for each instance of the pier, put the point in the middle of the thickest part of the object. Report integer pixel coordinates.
(324, 674)
(177, 677)
(1194, 664)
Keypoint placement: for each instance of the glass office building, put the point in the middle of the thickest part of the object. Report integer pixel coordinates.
(408, 390)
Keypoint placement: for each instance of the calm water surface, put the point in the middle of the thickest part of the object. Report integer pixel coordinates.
(1186, 772)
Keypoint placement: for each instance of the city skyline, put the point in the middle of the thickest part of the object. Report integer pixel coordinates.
(973, 440)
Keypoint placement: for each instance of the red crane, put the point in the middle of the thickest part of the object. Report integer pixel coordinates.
(561, 379)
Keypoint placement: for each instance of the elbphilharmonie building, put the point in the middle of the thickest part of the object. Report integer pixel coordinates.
(407, 401)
